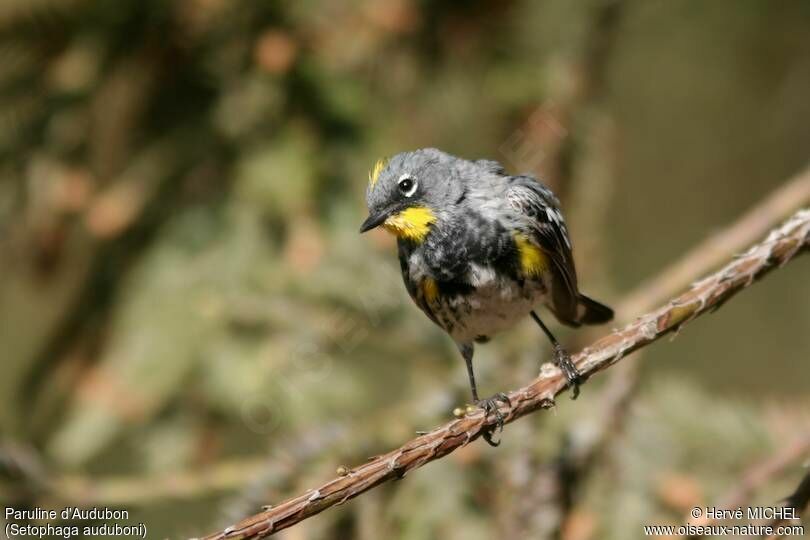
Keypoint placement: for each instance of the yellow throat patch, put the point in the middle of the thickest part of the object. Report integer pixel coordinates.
(412, 223)
(374, 174)
(533, 262)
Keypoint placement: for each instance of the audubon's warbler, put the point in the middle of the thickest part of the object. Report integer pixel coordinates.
(479, 250)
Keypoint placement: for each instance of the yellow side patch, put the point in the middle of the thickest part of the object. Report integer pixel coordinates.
(412, 223)
(533, 262)
(374, 174)
(430, 289)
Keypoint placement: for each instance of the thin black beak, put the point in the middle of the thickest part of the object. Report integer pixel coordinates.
(373, 221)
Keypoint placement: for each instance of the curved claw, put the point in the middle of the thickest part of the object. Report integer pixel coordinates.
(501, 397)
(487, 435)
(572, 374)
(491, 406)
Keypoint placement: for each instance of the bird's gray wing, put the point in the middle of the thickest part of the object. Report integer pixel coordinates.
(539, 211)
(491, 166)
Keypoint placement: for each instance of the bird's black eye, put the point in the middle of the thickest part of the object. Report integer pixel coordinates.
(407, 185)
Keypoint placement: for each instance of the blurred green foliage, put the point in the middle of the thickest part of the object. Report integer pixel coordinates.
(191, 327)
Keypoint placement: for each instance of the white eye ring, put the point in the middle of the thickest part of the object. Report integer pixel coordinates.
(407, 185)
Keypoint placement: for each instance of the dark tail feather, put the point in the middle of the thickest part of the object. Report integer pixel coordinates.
(592, 312)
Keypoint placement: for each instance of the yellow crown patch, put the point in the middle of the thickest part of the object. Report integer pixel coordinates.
(374, 174)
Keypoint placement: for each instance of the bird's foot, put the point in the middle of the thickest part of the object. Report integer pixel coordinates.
(572, 374)
(491, 406)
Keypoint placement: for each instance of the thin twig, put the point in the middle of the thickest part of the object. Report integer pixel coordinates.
(761, 473)
(623, 381)
(781, 246)
(799, 501)
(584, 84)
(715, 250)
(579, 162)
(757, 476)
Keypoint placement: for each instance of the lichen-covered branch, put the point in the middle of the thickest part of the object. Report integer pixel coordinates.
(781, 246)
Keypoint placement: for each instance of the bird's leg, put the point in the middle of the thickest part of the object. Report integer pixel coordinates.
(562, 359)
(490, 405)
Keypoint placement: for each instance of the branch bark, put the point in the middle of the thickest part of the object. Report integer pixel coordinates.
(707, 295)
(618, 392)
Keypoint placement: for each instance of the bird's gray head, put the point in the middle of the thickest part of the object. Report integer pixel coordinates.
(408, 193)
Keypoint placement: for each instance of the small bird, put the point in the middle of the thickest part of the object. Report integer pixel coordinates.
(479, 249)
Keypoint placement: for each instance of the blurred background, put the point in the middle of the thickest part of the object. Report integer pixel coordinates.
(191, 327)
